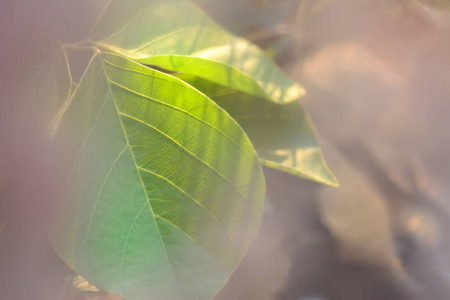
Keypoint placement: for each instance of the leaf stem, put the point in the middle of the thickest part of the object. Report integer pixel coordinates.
(81, 45)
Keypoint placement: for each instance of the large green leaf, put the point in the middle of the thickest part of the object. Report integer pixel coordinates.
(282, 134)
(191, 45)
(165, 189)
(189, 42)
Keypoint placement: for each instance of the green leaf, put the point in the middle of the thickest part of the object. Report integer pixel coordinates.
(282, 134)
(165, 189)
(189, 42)
(191, 45)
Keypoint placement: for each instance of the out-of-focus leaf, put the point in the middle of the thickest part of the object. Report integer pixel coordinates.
(165, 189)
(282, 134)
(357, 216)
(442, 5)
(439, 5)
(244, 16)
(189, 42)
(66, 20)
(48, 85)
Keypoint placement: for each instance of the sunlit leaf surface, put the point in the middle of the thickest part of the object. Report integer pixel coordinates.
(282, 134)
(189, 42)
(165, 189)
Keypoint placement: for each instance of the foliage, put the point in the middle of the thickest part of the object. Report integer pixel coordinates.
(162, 142)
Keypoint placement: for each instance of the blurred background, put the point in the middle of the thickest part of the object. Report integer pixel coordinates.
(377, 75)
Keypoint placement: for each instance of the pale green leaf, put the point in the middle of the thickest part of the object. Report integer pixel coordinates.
(282, 134)
(165, 189)
(189, 42)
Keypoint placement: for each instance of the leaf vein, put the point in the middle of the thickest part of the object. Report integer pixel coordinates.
(179, 109)
(191, 238)
(186, 150)
(129, 233)
(101, 191)
(190, 197)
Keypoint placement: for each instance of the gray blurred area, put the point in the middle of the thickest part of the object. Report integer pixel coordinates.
(29, 185)
(377, 75)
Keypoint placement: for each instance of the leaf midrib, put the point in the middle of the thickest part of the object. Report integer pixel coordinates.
(155, 216)
(178, 144)
(139, 175)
